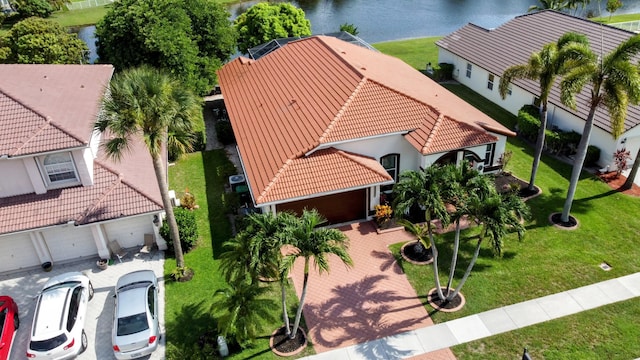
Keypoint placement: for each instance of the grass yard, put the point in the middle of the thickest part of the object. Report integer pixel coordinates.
(187, 314)
(547, 261)
(83, 17)
(415, 52)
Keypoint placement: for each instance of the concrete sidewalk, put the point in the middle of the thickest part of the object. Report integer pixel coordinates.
(412, 344)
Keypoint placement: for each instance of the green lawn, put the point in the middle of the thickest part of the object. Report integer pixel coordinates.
(547, 261)
(415, 52)
(71, 18)
(187, 314)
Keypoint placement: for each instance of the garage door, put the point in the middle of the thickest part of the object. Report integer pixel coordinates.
(70, 243)
(16, 252)
(337, 208)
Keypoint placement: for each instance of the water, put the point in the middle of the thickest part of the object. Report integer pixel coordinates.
(87, 34)
(394, 19)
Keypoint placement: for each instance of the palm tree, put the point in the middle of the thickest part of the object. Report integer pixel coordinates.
(243, 311)
(614, 83)
(543, 66)
(312, 242)
(557, 5)
(144, 102)
(427, 190)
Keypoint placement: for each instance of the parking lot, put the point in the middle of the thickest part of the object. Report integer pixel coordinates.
(23, 287)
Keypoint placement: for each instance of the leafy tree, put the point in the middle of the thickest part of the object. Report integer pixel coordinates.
(614, 83)
(543, 66)
(190, 39)
(613, 6)
(244, 309)
(264, 22)
(312, 242)
(426, 189)
(558, 5)
(350, 28)
(187, 227)
(146, 102)
(27, 8)
(39, 41)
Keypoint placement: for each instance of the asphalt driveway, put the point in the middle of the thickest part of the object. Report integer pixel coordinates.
(23, 287)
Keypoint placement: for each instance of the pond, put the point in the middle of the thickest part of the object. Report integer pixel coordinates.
(392, 19)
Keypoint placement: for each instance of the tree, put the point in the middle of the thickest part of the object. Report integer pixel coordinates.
(558, 5)
(39, 41)
(244, 310)
(428, 190)
(190, 39)
(350, 28)
(614, 83)
(312, 242)
(264, 22)
(613, 6)
(27, 8)
(148, 103)
(543, 66)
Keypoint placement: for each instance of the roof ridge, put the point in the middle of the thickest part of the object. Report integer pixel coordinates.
(274, 180)
(434, 130)
(321, 38)
(100, 198)
(342, 110)
(353, 157)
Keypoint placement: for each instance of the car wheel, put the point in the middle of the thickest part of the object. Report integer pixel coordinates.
(90, 291)
(16, 321)
(84, 342)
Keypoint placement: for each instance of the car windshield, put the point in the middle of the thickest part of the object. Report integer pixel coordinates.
(132, 324)
(63, 284)
(46, 345)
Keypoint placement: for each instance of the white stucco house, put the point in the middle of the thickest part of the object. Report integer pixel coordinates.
(60, 199)
(480, 56)
(322, 123)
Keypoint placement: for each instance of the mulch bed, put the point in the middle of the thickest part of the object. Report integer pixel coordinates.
(454, 304)
(411, 253)
(282, 344)
(556, 219)
(616, 182)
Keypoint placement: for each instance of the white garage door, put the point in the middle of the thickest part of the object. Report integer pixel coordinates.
(16, 252)
(129, 232)
(70, 243)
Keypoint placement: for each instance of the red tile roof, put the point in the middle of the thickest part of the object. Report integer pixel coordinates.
(40, 106)
(446, 135)
(321, 90)
(513, 43)
(31, 123)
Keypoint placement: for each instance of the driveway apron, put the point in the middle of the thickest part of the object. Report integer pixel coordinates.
(369, 301)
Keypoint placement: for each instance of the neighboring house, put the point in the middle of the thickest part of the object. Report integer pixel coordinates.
(480, 56)
(5, 6)
(322, 123)
(60, 200)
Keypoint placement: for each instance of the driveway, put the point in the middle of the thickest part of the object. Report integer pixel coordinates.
(23, 287)
(370, 301)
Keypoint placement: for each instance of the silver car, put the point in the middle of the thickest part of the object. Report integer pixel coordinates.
(135, 321)
(57, 331)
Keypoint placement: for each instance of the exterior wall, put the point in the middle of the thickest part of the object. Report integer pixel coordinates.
(381, 146)
(83, 160)
(17, 252)
(16, 184)
(130, 231)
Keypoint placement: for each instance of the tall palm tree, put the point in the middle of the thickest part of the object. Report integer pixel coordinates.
(427, 190)
(543, 66)
(144, 102)
(313, 243)
(614, 83)
(243, 309)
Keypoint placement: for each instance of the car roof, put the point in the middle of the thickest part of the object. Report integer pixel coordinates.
(50, 313)
(70, 276)
(132, 301)
(137, 276)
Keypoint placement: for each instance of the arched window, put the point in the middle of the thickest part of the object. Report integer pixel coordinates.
(59, 168)
(391, 163)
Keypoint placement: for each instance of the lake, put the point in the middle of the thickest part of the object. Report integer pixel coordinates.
(393, 19)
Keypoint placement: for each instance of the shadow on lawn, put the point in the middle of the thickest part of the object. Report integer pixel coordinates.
(216, 169)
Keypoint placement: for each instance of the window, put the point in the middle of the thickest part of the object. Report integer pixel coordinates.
(509, 90)
(74, 304)
(489, 153)
(151, 300)
(490, 82)
(391, 164)
(468, 70)
(59, 168)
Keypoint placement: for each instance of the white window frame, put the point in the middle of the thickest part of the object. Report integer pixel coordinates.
(469, 68)
(57, 174)
(396, 169)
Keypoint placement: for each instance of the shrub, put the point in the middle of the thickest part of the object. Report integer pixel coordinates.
(187, 227)
(226, 170)
(528, 124)
(231, 202)
(620, 158)
(28, 8)
(553, 141)
(445, 72)
(593, 155)
(224, 132)
(570, 139)
(383, 214)
(504, 161)
(199, 143)
(188, 200)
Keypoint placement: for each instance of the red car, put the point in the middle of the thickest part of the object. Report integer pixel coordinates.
(9, 323)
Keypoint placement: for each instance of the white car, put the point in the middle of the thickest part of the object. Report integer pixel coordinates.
(57, 331)
(135, 320)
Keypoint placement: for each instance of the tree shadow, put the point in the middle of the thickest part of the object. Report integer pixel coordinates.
(216, 167)
(361, 312)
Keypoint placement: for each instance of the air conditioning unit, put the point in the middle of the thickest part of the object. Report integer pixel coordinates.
(174, 200)
(480, 167)
(236, 180)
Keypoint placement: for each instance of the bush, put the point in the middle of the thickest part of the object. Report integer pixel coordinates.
(553, 141)
(444, 72)
(187, 227)
(570, 139)
(226, 170)
(28, 8)
(231, 202)
(593, 155)
(528, 123)
(225, 132)
(188, 201)
(199, 141)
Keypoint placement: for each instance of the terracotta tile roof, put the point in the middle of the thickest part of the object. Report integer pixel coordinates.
(513, 42)
(321, 90)
(447, 135)
(49, 107)
(322, 172)
(109, 198)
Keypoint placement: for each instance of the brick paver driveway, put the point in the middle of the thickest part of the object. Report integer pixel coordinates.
(370, 301)
(24, 286)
